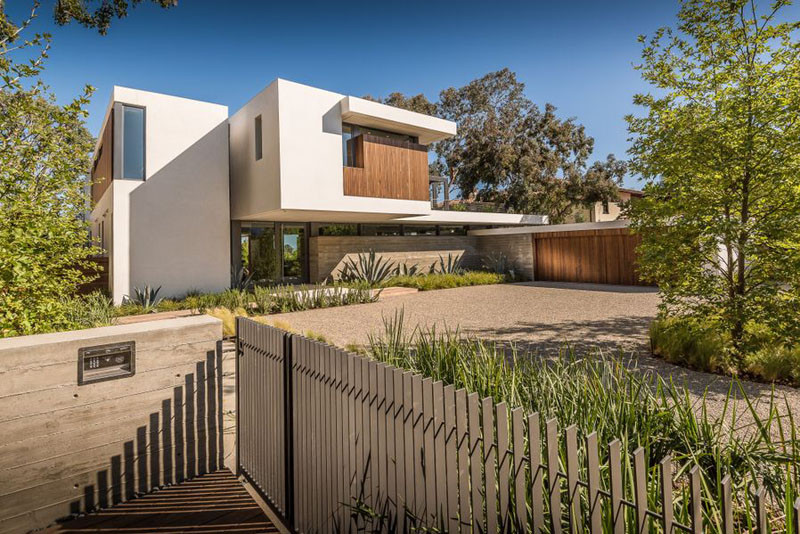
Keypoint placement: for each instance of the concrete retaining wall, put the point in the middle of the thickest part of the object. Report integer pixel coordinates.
(327, 254)
(67, 449)
(516, 247)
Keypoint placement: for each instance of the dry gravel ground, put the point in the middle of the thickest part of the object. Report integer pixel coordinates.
(537, 316)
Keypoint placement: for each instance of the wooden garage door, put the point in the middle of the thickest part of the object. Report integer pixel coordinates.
(592, 256)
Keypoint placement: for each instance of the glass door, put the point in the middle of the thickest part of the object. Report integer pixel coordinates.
(293, 245)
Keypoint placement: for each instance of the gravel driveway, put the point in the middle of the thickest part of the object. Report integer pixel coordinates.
(538, 316)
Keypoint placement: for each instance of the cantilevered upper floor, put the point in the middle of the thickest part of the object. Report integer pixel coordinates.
(299, 153)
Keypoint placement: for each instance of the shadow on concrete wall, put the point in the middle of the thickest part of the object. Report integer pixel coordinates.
(180, 442)
(180, 221)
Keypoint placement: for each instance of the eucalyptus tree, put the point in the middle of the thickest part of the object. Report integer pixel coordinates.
(508, 150)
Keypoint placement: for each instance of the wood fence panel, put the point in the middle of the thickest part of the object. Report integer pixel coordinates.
(594, 256)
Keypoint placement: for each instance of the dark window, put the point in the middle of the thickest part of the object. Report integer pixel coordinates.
(380, 229)
(132, 143)
(452, 230)
(605, 207)
(259, 148)
(410, 229)
(338, 229)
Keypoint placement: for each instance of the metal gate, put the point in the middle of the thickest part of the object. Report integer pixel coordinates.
(263, 404)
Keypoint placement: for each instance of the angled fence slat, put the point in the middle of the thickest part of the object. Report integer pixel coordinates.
(536, 473)
(489, 464)
(503, 466)
(441, 511)
(640, 490)
(462, 440)
(451, 458)
(553, 476)
(519, 472)
(696, 503)
(475, 463)
(667, 511)
(615, 476)
(573, 488)
(593, 472)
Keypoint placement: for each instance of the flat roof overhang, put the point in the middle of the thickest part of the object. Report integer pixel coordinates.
(479, 218)
(380, 116)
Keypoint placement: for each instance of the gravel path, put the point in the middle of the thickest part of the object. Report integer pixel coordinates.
(537, 316)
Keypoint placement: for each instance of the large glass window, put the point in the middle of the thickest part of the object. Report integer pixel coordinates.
(259, 254)
(413, 229)
(294, 255)
(132, 143)
(338, 229)
(452, 230)
(380, 229)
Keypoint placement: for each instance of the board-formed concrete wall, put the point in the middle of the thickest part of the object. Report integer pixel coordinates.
(327, 254)
(67, 449)
(516, 247)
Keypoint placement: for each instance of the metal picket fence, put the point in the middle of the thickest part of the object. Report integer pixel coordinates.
(330, 437)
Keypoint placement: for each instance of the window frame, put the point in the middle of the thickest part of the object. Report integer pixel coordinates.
(258, 137)
(118, 141)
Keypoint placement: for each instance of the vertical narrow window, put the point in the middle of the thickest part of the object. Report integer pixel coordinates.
(259, 149)
(132, 143)
(605, 207)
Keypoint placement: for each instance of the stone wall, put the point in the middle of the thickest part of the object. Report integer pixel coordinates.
(327, 254)
(67, 449)
(516, 247)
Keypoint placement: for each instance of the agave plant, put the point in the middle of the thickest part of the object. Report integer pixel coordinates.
(367, 267)
(453, 264)
(499, 264)
(146, 297)
(403, 269)
(240, 278)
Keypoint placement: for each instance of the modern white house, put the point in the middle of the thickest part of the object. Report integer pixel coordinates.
(184, 195)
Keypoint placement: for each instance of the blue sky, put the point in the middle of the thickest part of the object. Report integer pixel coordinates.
(577, 55)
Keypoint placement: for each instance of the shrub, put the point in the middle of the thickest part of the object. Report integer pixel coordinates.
(368, 267)
(228, 318)
(427, 282)
(95, 309)
(692, 343)
(775, 363)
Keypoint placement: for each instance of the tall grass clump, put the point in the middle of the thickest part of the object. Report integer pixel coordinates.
(756, 444)
(89, 311)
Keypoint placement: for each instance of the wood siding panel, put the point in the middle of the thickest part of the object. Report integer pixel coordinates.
(387, 168)
(102, 170)
(589, 256)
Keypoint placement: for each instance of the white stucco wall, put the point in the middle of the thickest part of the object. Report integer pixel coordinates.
(302, 164)
(173, 229)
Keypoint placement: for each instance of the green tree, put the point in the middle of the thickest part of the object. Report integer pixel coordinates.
(719, 146)
(44, 161)
(509, 151)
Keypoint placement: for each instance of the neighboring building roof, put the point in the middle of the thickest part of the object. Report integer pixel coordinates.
(632, 192)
